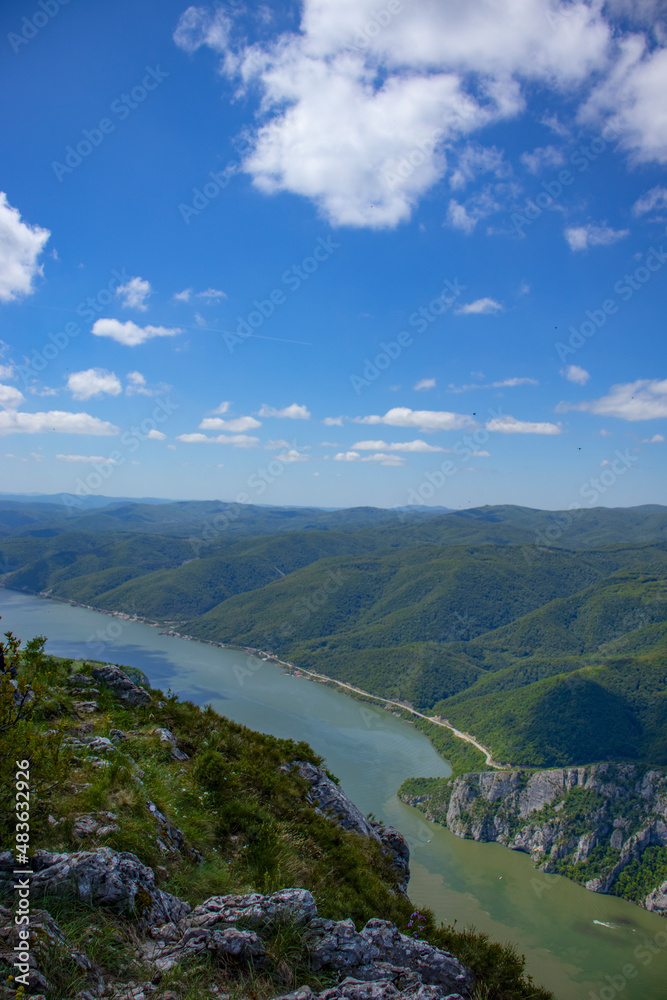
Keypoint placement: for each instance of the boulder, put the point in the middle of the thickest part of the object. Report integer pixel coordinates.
(124, 689)
(107, 878)
(229, 944)
(261, 913)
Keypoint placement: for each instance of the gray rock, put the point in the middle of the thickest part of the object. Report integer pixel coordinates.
(94, 825)
(380, 946)
(230, 944)
(124, 689)
(175, 838)
(168, 737)
(117, 735)
(262, 913)
(656, 901)
(107, 878)
(85, 707)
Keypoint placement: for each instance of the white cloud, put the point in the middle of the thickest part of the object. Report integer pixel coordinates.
(509, 425)
(212, 295)
(198, 26)
(481, 307)
(358, 124)
(573, 373)
(423, 420)
(10, 397)
(511, 383)
(86, 458)
(626, 100)
(20, 246)
(482, 204)
(129, 333)
(474, 160)
(154, 435)
(425, 383)
(94, 382)
(276, 445)
(183, 296)
(409, 446)
(223, 408)
(293, 456)
(7, 371)
(295, 411)
(237, 440)
(236, 424)
(655, 198)
(138, 386)
(656, 439)
(583, 237)
(645, 399)
(542, 156)
(333, 421)
(134, 294)
(354, 456)
(54, 421)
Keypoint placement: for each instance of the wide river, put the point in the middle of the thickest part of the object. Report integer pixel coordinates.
(579, 944)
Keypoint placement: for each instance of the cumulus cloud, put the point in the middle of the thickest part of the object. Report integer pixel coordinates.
(625, 101)
(656, 439)
(212, 295)
(414, 446)
(543, 156)
(54, 421)
(481, 307)
(509, 425)
(235, 424)
(237, 440)
(655, 198)
(358, 121)
(423, 420)
(292, 456)
(10, 398)
(425, 383)
(183, 296)
(295, 411)
(138, 386)
(354, 456)
(20, 247)
(583, 237)
(94, 382)
(511, 383)
(574, 373)
(333, 421)
(223, 408)
(129, 333)
(644, 399)
(134, 293)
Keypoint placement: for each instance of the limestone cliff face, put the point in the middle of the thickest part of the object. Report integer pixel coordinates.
(589, 823)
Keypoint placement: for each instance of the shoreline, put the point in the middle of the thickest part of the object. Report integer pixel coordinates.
(293, 668)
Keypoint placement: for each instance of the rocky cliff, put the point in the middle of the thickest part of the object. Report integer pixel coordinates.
(604, 825)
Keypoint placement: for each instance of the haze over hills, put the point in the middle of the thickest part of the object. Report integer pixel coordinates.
(541, 632)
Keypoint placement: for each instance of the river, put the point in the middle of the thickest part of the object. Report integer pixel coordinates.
(581, 945)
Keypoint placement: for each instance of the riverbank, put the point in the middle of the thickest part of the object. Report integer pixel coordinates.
(429, 725)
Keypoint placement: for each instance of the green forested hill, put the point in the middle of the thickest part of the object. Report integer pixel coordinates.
(518, 625)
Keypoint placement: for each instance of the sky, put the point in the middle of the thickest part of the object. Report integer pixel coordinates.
(335, 253)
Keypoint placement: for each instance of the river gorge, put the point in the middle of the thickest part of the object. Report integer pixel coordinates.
(579, 944)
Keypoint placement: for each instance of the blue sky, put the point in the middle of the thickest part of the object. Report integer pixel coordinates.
(335, 253)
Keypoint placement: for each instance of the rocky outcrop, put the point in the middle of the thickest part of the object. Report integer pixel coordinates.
(330, 801)
(561, 817)
(113, 879)
(166, 736)
(402, 986)
(261, 913)
(124, 689)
